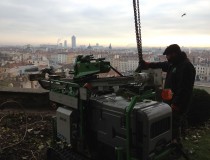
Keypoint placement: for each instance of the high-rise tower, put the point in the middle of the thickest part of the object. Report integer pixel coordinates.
(73, 42)
(65, 44)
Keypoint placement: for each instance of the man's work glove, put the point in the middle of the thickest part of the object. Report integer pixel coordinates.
(175, 108)
(167, 94)
(142, 65)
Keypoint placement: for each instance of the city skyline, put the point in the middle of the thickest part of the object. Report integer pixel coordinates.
(38, 22)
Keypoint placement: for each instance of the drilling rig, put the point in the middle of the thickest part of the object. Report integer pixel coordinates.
(115, 118)
(109, 118)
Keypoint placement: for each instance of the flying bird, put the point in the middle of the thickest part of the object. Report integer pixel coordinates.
(183, 14)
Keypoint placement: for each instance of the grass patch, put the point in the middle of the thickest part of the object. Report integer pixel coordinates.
(197, 142)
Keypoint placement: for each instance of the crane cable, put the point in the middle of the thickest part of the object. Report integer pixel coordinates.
(138, 30)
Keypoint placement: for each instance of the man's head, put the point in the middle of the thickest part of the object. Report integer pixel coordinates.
(171, 52)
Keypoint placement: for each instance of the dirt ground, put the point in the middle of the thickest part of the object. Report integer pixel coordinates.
(25, 135)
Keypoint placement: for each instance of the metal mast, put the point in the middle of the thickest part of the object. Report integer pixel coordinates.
(138, 29)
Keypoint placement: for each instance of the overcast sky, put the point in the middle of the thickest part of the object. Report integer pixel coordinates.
(104, 22)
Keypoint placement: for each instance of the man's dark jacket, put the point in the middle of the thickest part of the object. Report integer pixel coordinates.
(180, 79)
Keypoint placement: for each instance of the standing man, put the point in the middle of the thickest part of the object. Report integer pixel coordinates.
(179, 80)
